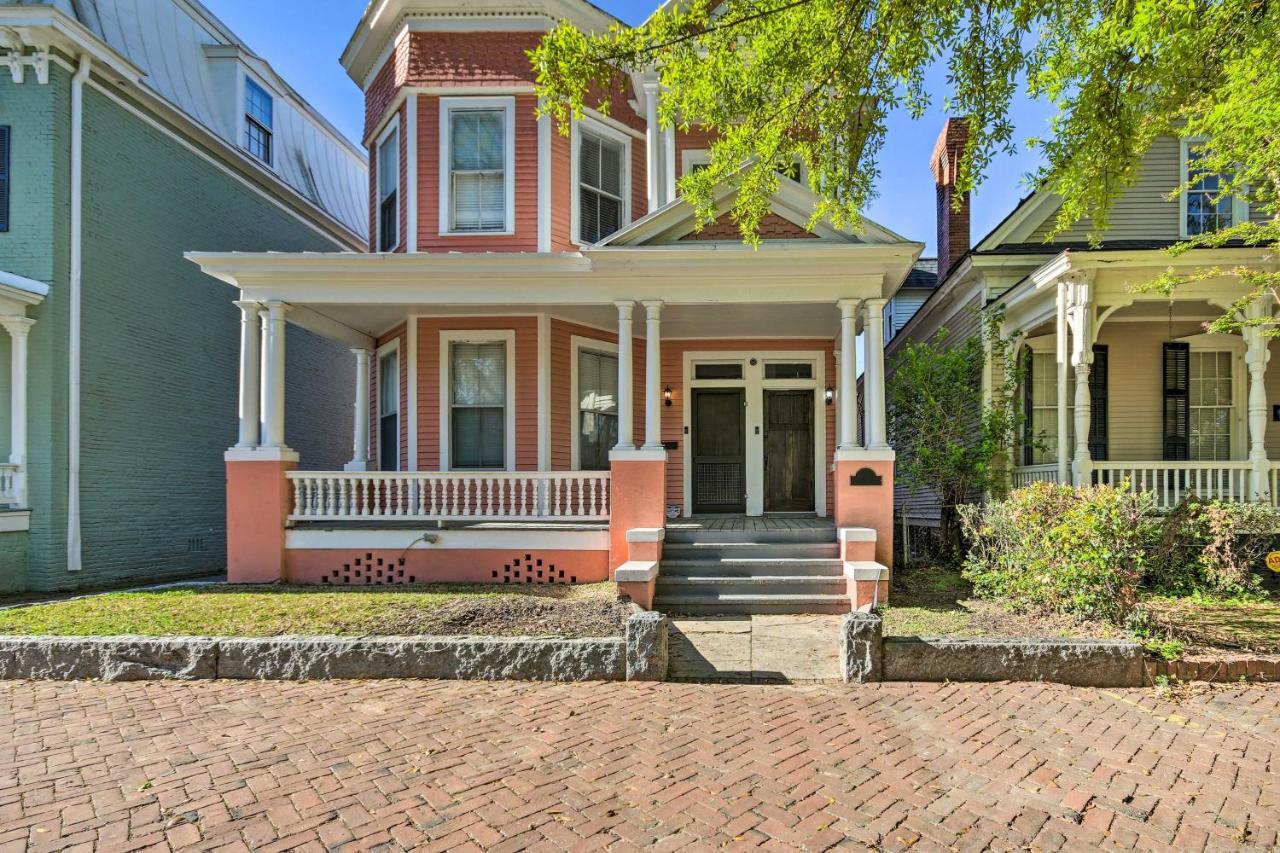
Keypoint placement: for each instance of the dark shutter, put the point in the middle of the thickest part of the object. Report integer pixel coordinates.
(4, 177)
(1098, 405)
(1028, 435)
(1177, 364)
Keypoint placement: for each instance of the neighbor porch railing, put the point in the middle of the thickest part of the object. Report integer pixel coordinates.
(1025, 475)
(433, 496)
(9, 484)
(1170, 482)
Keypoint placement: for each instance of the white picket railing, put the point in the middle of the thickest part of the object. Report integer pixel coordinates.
(1025, 475)
(8, 484)
(1170, 482)
(432, 496)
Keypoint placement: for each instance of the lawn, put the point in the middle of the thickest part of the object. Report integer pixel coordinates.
(264, 611)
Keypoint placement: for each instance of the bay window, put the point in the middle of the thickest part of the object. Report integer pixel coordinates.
(388, 166)
(477, 183)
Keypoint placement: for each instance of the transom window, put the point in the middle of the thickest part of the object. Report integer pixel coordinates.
(724, 370)
(1210, 397)
(259, 113)
(601, 182)
(478, 405)
(788, 370)
(1208, 209)
(478, 170)
(597, 409)
(389, 192)
(389, 411)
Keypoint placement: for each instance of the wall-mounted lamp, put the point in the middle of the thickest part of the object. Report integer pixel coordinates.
(666, 396)
(830, 395)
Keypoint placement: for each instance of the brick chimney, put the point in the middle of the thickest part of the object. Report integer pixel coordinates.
(953, 225)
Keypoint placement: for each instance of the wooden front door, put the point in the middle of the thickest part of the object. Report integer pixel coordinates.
(788, 451)
(719, 450)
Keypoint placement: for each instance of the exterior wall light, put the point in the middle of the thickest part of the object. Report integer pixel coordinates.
(666, 396)
(830, 395)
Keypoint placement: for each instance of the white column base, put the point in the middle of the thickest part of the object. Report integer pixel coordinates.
(358, 465)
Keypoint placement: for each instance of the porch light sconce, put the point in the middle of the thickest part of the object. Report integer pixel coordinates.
(666, 396)
(830, 395)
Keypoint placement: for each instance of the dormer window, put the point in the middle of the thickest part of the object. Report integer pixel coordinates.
(388, 165)
(258, 120)
(477, 187)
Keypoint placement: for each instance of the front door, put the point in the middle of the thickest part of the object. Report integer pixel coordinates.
(788, 451)
(719, 450)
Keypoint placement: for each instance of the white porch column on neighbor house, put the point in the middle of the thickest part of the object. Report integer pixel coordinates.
(848, 382)
(653, 145)
(1257, 354)
(625, 396)
(273, 387)
(360, 432)
(18, 328)
(873, 375)
(652, 375)
(1080, 320)
(250, 374)
(1063, 365)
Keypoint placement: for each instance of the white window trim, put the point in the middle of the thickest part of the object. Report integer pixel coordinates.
(448, 337)
(755, 385)
(1239, 207)
(577, 344)
(598, 128)
(242, 119)
(508, 104)
(387, 350)
(691, 157)
(393, 126)
(1239, 386)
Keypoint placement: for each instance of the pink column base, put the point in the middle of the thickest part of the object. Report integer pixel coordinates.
(258, 500)
(866, 506)
(864, 594)
(641, 593)
(636, 491)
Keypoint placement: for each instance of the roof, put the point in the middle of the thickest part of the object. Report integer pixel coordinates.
(923, 274)
(171, 41)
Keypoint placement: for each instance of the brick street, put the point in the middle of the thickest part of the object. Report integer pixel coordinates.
(467, 765)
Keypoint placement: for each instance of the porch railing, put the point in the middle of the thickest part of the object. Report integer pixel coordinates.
(433, 496)
(1025, 475)
(1170, 482)
(8, 484)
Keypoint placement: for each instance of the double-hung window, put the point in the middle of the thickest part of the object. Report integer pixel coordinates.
(1211, 405)
(1205, 208)
(389, 410)
(602, 171)
(597, 408)
(259, 119)
(478, 404)
(1042, 414)
(389, 191)
(478, 168)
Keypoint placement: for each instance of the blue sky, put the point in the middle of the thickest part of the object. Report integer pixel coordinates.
(303, 39)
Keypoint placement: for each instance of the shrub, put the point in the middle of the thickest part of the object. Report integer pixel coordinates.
(1212, 546)
(1050, 548)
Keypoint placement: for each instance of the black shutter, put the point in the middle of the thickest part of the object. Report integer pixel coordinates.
(1098, 405)
(4, 177)
(1177, 369)
(1028, 434)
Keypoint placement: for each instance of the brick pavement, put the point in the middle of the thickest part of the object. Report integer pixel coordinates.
(467, 765)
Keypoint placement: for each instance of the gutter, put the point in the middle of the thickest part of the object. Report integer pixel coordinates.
(73, 334)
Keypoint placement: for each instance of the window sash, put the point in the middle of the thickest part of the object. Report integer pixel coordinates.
(478, 169)
(259, 120)
(389, 165)
(1044, 408)
(597, 409)
(1207, 210)
(478, 404)
(601, 183)
(1211, 405)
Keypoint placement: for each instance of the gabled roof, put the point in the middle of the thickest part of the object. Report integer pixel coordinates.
(792, 202)
(923, 275)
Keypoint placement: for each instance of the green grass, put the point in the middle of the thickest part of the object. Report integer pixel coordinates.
(262, 611)
(1251, 624)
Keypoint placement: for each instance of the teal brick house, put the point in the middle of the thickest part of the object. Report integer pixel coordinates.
(132, 131)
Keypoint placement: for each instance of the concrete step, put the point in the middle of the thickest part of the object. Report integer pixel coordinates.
(711, 604)
(752, 567)
(677, 535)
(722, 550)
(771, 585)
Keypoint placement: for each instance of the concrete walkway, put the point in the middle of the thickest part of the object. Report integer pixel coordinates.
(783, 648)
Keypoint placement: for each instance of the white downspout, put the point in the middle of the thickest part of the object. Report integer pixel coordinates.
(73, 342)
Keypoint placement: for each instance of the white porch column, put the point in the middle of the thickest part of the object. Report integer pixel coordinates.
(360, 432)
(18, 328)
(653, 146)
(1063, 365)
(1080, 319)
(250, 374)
(652, 375)
(873, 375)
(1257, 354)
(273, 416)
(847, 386)
(625, 397)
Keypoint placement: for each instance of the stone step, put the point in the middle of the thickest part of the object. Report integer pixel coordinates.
(771, 585)
(754, 550)
(711, 604)
(677, 535)
(752, 567)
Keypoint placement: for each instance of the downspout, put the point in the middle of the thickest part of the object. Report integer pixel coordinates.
(73, 335)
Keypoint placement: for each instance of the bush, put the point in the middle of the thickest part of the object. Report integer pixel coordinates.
(1051, 548)
(1212, 546)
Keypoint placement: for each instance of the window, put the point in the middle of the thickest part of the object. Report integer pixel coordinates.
(478, 404)
(389, 410)
(1210, 400)
(695, 160)
(602, 168)
(479, 153)
(731, 370)
(389, 191)
(4, 177)
(1207, 209)
(258, 113)
(788, 370)
(1042, 416)
(597, 409)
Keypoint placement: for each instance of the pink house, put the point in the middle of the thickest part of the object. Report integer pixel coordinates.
(559, 379)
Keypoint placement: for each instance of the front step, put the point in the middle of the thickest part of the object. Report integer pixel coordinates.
(710, 605)
(753, 567)
(677, 535)
(717, 550)
(771, 585)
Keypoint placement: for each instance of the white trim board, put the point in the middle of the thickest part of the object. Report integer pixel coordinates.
(451, 336)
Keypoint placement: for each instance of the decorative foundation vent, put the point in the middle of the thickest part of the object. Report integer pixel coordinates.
(369, 571)
(528, 570)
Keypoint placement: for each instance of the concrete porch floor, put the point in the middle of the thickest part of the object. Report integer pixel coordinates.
(759, 648)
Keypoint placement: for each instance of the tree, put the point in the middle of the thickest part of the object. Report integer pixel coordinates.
(947, 446)
(813, 80)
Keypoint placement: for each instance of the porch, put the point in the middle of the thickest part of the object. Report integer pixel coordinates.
(17, 295)
(1137, 390)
